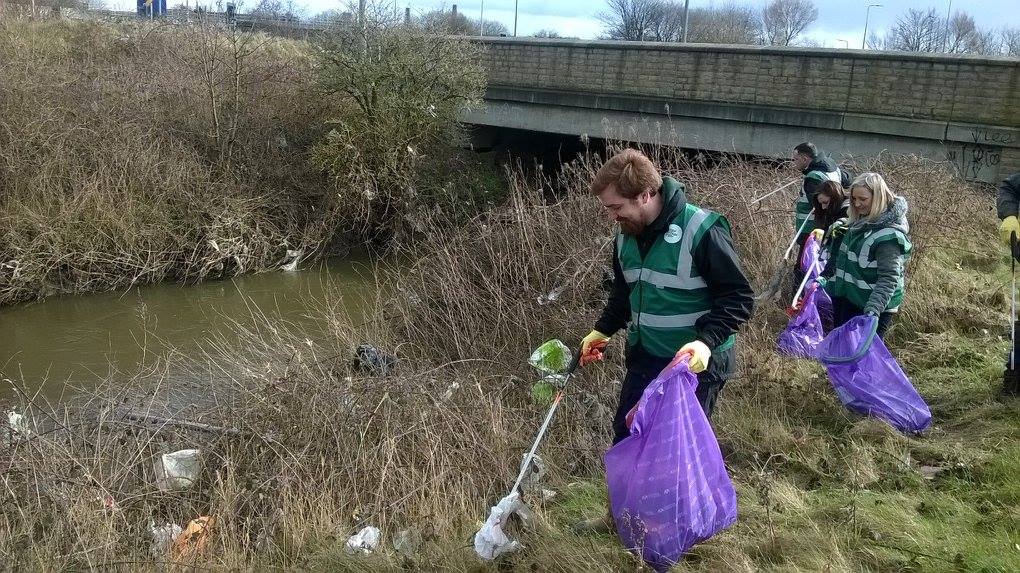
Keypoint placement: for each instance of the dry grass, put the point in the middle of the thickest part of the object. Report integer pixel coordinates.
(322, 448)
(136, 153)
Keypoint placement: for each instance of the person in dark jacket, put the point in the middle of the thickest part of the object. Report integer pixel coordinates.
(872, 255)
(1008, 205)
(677, 287)
(830, 206)
(677, 283)
(817, 169)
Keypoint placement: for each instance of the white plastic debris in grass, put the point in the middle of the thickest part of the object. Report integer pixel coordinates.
(178, 470)
(163, 537)
(364, 541)
(491, 541)
(19, 424)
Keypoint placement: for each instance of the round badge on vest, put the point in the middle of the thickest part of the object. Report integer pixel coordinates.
(673, 234)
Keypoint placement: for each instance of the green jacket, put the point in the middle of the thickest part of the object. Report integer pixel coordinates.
(667, 293)
(870, 260)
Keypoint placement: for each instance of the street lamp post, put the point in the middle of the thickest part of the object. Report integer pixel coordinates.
(867, 15)
(686, 14)
(515, 18)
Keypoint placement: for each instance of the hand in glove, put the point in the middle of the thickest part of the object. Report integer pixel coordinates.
(837, 228)
(592, 347)
(697, 354)
(1009, 228)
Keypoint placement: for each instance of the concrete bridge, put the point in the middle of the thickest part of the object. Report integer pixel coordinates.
(760, 101)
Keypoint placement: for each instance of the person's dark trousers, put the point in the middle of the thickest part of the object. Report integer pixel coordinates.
(843, 310)
(642, 368)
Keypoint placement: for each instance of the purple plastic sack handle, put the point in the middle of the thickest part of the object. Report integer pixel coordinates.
(865, 346)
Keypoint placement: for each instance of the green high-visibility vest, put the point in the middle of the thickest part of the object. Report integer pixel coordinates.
(667, 294)
(857, 268)
(802, 209)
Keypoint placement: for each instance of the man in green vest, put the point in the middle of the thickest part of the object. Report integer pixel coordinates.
(677, 287)
(817, 169)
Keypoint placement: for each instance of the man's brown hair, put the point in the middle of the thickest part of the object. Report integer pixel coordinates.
(631, 172)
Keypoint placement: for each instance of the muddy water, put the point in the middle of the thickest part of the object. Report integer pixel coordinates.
(54, 345)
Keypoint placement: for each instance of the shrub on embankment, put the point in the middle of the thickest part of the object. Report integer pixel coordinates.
(323, 448)
(136, 153)
(132, 154)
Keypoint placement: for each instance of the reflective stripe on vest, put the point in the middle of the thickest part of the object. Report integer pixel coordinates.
(802, 209)
(857, 271)
(682, 278)
(667, 296)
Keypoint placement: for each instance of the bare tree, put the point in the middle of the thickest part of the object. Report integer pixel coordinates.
(783, 20)
(728, 24)
(457, 24)
(964, 37)
(631, 19)
(1009, 39)
(916, 31)
(669, 21)
(547, 33)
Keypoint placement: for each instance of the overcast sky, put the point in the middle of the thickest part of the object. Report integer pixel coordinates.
(837, 19)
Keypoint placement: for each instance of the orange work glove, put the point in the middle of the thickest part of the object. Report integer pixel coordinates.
(592, 347)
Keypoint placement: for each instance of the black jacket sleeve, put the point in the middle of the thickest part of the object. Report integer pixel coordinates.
(1009, 196)
(732, 296)
(617, 312)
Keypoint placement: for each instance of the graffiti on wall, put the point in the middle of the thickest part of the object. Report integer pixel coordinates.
(979, 157)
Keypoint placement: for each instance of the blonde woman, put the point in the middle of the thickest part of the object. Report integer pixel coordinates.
(870, 260)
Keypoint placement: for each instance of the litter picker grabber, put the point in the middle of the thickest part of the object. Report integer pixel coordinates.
(771, 193)
(1010, 377)
(775, 284)
(526, 464)
(491, 541)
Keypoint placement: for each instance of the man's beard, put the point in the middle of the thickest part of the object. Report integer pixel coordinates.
(633, 228)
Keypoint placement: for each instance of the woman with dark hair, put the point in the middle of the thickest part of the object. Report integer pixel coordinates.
(830, 205)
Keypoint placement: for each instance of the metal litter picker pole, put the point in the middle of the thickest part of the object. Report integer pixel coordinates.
(771, 193)
(545, 425)
(800, 230)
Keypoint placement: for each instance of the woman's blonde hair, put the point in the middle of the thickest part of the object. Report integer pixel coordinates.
(881, 197)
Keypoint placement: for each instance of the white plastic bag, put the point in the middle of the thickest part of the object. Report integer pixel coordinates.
(19, 424)
(178, 470)
(364, 541)
(163, 537)
(491, 541)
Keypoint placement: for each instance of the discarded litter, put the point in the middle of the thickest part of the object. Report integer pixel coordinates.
(545, 389)
(293, 258)
(163, 537)
(371, 360)
(491, 541)
(364, 541)
(552, 357)
(178, 470)
(193, 540)
(534, 474)
(551, 296)
(406, 542)
(19, 424)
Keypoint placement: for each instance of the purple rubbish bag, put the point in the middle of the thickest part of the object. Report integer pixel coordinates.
(668, 486)
(823, 302)
(804, 331)
(810, 255)
(868, 380)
